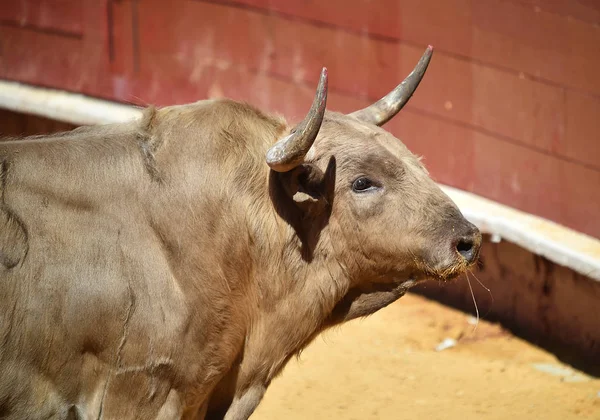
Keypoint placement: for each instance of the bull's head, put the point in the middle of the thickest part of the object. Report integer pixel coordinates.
(388, 223)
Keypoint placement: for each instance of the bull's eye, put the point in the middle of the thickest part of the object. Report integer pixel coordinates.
(362, 184)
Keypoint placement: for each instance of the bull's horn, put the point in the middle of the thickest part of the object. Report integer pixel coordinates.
(289, 152)
(384, 109)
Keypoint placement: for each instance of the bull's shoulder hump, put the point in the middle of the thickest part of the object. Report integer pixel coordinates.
(222, 110)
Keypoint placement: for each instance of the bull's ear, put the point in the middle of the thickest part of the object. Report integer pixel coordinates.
(309, 187)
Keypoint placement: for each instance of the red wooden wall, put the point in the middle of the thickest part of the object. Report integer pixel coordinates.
(509, 109)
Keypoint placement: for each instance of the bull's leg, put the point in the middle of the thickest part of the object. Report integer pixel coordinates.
(244, 405)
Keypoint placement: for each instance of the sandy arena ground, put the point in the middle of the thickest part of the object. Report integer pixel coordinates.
(386, 367)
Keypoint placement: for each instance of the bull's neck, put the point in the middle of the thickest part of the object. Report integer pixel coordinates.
(295, 293)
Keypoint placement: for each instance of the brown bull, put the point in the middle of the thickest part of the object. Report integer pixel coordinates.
(162, 269)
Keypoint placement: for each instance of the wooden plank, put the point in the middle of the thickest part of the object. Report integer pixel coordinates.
(49, 58)
(538, 43)
(582, 129)
(586, 10)
(510, 35)
(95, 77)
(61, 16)
(121, 38)
(40, 58)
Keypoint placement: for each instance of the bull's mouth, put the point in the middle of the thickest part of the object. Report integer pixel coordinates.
(404, 279)
(442, 274)
(451, 272)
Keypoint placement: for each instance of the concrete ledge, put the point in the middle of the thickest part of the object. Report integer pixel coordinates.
(557, 243)
(63, 106)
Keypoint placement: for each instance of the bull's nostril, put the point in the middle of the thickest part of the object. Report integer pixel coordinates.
(465, 249)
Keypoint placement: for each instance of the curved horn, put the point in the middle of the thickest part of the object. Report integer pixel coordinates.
(384, 109)
(289, 152)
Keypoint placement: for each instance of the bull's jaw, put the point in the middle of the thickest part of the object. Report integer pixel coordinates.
(374, 295)
(357, 303)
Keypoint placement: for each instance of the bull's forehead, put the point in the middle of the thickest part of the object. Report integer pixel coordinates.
(345, 134)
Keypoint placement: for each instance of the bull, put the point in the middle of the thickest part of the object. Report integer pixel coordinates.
(169, 267)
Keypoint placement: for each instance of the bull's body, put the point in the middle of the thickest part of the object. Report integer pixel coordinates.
(159, 269)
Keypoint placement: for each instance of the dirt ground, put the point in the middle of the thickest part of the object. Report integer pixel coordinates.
(386, 367)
